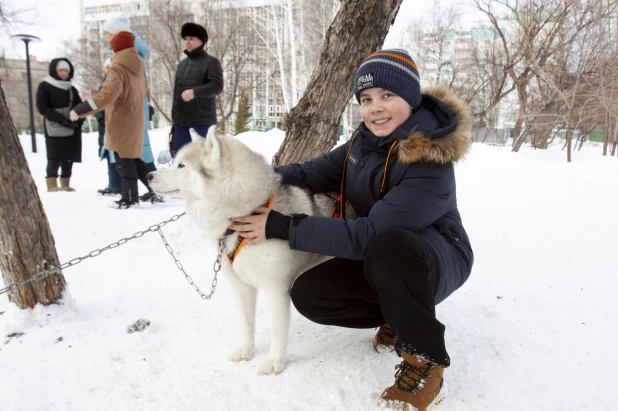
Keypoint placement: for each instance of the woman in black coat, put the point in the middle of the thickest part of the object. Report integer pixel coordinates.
(55, 98)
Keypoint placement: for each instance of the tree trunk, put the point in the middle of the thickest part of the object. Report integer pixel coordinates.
(26, 242)
(521, 125)
(359, 28)
(606, 136)
(569, 139)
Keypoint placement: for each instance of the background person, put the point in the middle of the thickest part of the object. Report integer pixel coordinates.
(55, 97)
(199, 79)
(112, 26)
(122, 97)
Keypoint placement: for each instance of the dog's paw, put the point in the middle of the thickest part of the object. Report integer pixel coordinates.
(241, 353)
(270, 366)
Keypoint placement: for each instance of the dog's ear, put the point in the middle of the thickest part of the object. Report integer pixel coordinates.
(194, 136)
(212, 131)
(212, 145)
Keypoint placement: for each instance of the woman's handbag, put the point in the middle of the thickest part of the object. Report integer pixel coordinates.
(55, 129)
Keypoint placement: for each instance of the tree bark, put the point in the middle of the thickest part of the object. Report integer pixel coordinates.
(569, 139)
(359, 28)
(606, 134)
(26, 242)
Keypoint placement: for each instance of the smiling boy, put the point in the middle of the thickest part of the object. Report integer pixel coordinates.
(408, 250)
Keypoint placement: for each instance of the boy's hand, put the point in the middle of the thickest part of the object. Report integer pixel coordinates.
(252, 227)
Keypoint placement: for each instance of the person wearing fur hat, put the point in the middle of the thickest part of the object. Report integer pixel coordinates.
(55, 97)
(199, 79)
(407, 250)
(122, 96)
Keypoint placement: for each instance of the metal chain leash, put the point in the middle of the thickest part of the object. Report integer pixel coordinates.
(157, 227)
(216, 266)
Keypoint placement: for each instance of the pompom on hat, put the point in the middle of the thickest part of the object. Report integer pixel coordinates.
(117, 23)
(393, 70)
(194, 30)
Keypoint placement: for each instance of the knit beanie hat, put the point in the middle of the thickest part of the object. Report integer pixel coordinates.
(63, 65)
(116, 24)
(194, 30)
(392, 70)
(122, 40)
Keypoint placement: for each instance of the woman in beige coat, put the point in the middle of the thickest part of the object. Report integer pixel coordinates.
(122, 96)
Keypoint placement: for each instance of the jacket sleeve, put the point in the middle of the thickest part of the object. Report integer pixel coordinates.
(414, 204)
(175, 93)
(76, 97)
(320, 175)
(43, 107)
(213, 81)
(141, 46)
(109, 92)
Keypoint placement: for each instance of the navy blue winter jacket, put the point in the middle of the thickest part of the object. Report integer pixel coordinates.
(419, 195)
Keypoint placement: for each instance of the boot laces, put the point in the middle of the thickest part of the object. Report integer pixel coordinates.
(405, 376)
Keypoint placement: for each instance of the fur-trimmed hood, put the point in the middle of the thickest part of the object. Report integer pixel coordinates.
(450, 141)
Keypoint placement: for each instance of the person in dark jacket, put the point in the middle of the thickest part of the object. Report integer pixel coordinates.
(199, 79)
(407, 251)
(55, 97)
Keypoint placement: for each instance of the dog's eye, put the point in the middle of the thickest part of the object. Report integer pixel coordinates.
(180, 165)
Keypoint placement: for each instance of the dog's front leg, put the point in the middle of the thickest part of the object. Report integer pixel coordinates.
(245, 296)
(279, 307)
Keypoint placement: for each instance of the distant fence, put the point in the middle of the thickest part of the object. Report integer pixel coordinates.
(491, 136)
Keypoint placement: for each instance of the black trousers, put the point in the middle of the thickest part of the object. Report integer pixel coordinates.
(395, 285)
(66, 167)
(130, 170)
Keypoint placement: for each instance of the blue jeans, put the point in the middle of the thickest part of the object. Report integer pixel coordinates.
(182, 136)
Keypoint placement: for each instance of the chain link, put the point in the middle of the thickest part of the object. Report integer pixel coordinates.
(56, 269)
(216, 267)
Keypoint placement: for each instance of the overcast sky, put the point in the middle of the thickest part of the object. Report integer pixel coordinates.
(57, 21)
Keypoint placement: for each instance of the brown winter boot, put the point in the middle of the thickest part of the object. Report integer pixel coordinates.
(64, 184)
(385, 338)
(417, 385)
(52, 184)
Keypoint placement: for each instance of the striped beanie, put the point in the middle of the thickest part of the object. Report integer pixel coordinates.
(393, 70)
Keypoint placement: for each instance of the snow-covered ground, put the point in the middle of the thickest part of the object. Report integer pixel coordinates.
(531, 330)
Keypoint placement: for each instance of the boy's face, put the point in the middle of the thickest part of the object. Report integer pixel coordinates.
(383, 111)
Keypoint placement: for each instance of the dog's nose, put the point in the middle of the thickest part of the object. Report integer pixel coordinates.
(149, 176)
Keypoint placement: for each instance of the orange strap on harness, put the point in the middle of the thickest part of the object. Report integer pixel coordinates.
(242, 242)
(340, 203)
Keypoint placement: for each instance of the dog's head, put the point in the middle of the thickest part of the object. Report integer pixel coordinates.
(222, 172)
(194, 169)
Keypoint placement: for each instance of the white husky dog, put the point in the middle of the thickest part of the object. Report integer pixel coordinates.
(222, 178)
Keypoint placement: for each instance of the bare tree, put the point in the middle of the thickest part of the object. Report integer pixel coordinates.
(26, 242)
(162, 35)
(359, 28)
(235, 43)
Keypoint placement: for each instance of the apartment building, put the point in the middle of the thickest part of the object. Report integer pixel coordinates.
(250, 37)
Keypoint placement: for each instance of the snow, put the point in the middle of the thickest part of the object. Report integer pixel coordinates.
(533, 328)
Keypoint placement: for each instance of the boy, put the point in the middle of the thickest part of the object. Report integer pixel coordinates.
(407, 250)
